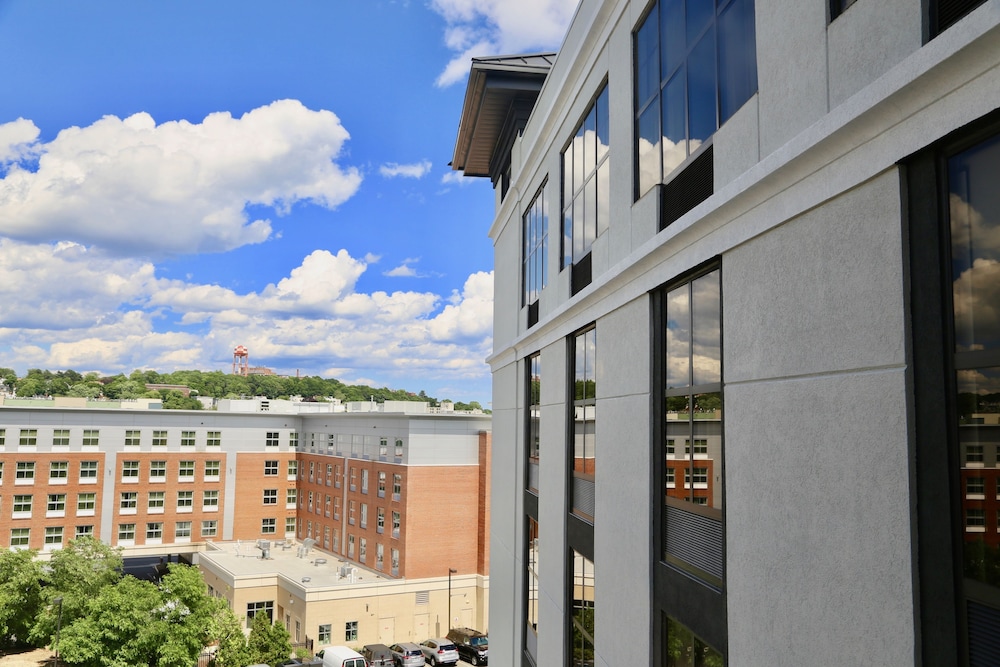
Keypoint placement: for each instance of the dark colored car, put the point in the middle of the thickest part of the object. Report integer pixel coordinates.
(472, 645)
(378, 655)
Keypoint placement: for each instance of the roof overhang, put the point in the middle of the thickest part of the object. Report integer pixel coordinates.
(497, 86)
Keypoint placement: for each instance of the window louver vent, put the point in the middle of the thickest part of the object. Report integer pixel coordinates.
(689, 188)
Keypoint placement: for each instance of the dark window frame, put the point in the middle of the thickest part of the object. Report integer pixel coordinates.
(941, 598)
(695, 603)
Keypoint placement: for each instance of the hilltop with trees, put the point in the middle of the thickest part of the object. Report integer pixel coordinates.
(216, 384)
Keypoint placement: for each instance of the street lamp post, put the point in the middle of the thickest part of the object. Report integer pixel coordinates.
(450, 572)
(59, 602)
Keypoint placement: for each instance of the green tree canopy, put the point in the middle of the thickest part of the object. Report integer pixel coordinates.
(20, 595)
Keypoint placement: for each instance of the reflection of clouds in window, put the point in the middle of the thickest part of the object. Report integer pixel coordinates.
(970, 233)
(977, 306)
(978, 381)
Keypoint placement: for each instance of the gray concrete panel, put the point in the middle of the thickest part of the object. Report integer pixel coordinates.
(622, 566)
(819, 294)
(623, 355)
(506, 283)
(791, 68)
(818, 521)
(736, 145)
(867, 40)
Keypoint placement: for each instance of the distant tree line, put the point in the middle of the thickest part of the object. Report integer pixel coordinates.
(216, 384)
(81, 605)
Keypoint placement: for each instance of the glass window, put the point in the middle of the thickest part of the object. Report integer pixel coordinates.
(212, 469)
(58, 472)
(395, 524)
(88, 470)
(684, 649)
(254, 608)
(126, 532)
(83, 531)
(974, 211)
(324, 635)
(533, 391)
(270, 468)
(213, 439)
(271, 439)
(209, 500)
(381, 484)
(182, 530)
(692, 369)
(56, 503)
(187, 438)
(531, 587)
(535, 233)
(351, 631)
(154, 530)
(130, 471)
(185, 500)
(22, 505)
(586, 166)
(24, 472)
(85, 502)
(397, 486)
(91, 437)
(158, 470)
(268, 526)
(60, 437)
(128, 502)
(270, 496)
(53, 536)
(584, 461)
(209, 528)
(157, 500)
(20, 538)
(29, 437)
(132, 438)
(695, 66)
(185, 471)
(581, 604)
(159, 438)
(364, 480)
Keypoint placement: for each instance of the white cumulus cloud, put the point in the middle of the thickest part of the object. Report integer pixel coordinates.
(394, 170)
(130, 186)
(477, 28)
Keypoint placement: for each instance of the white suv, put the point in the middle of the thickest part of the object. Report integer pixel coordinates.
(439, 652)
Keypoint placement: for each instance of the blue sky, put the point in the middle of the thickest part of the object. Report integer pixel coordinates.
(178, 178)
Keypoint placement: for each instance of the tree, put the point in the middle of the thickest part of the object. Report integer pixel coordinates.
(8, 376)
(268, 643)
(85, 565)
(20, 595)
(133, 622)
(85, 390)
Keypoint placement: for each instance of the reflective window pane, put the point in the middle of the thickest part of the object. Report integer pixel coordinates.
(737, 72)
(684, 649)
(678, 337)
(702, 121)
(975, 230)
(675, 145)
(648, 150)
(672, 35)
(706, 354)
(581, 612)
(647, 77)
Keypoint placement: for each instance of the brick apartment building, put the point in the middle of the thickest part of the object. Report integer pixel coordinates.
(400, 491)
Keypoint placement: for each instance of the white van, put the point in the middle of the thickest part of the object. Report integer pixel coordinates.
(341, 656)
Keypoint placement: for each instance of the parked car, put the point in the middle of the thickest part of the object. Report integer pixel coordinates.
(377, 655)
(341, 656)
(406, 654)
(473, 646)
(439, 651)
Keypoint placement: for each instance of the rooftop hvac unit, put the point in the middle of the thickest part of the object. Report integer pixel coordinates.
(345, 571)
(319, 561)
(265, 548)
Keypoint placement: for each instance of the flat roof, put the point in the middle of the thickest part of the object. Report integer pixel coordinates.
(241, 559)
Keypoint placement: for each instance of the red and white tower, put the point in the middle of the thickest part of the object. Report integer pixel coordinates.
(241, 361)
